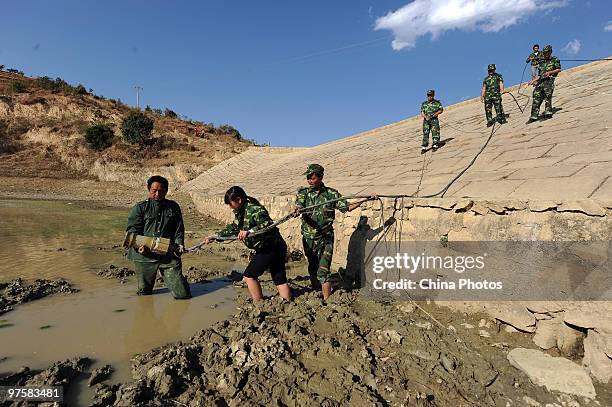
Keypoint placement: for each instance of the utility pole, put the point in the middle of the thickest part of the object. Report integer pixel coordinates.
(138, 90)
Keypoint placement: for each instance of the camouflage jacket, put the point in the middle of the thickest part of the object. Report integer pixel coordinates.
(534, 58)
(492, 85)
(319, 223)
(549, 65)
(155, 219)
(432, 107)
(252, 216)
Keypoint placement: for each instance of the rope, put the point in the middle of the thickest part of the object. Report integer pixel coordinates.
(425, 165)
(515, 101)
(252, 233)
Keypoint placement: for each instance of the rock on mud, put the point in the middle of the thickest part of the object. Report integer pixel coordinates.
(59, 374)
(195, 274)
(100, 374)
(120, 273)
(18, 291)
(556, 374)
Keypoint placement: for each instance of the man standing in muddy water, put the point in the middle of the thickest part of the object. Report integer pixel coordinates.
(317, 227)
(158, 217)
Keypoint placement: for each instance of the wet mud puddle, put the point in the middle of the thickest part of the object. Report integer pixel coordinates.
(105, 321)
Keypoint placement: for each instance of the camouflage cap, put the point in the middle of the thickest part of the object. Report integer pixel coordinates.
(547, 48)
(431, 92)
(314, 168)
(491, 67)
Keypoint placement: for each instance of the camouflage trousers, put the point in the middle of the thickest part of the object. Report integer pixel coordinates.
(319, 253)
(171, 271)
(490, 102)
(543, 92)
(433, 126)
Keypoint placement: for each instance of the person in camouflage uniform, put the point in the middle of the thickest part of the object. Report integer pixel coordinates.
(430, 110)
(545, 84)
(270, 247)
(158, 217)
(317, 225)
(491, 95)
(534, 59)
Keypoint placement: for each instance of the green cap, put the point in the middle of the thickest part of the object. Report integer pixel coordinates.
(431, 92)
(491, 67)
(314, 168)
(547, 48)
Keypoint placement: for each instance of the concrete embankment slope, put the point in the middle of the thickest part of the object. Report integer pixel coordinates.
(521, 162)
(550, 180)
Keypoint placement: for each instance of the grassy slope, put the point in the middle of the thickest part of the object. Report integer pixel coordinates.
(41, 134)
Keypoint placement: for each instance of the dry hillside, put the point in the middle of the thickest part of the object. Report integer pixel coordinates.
(42, 123)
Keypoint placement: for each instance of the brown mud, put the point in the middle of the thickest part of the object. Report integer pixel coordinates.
(350, 351)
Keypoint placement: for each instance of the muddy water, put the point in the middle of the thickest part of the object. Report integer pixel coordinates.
(105, 321)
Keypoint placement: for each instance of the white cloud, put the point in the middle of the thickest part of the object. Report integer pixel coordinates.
(572, 47)
(434, 17)
(608, 26)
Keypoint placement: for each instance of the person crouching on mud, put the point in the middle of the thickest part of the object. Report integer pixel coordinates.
(158, 217)
(270, 248)
(317, 226)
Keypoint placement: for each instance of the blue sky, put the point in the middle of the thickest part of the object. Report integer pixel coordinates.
(294, 73)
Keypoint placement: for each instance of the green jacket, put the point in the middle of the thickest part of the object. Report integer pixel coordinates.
(252, 216)
(156, 219)
(534, 58)
(492, 85)
(549, 65)
(319, 223)
(432, 107)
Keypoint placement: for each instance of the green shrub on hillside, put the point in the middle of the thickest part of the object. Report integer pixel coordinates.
(80, 90)
(99, 136)
(227, 129)
(60, 85)
(18, 87)
(170, 113)
(136, 128)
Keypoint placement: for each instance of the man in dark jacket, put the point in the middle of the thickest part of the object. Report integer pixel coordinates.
(158, 217)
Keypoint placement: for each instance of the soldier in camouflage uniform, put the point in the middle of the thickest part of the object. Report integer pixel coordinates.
(317, 226)
(544, 85)
(534, 59)
(430, 110)
(158, 217)
(491, 95)
(270, 247)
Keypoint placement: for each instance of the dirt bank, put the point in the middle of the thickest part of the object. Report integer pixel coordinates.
(18, 291)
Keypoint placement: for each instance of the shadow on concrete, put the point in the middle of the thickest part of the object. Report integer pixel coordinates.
(352, 276)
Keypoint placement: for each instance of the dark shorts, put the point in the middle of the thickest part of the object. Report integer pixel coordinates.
(273, 258)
